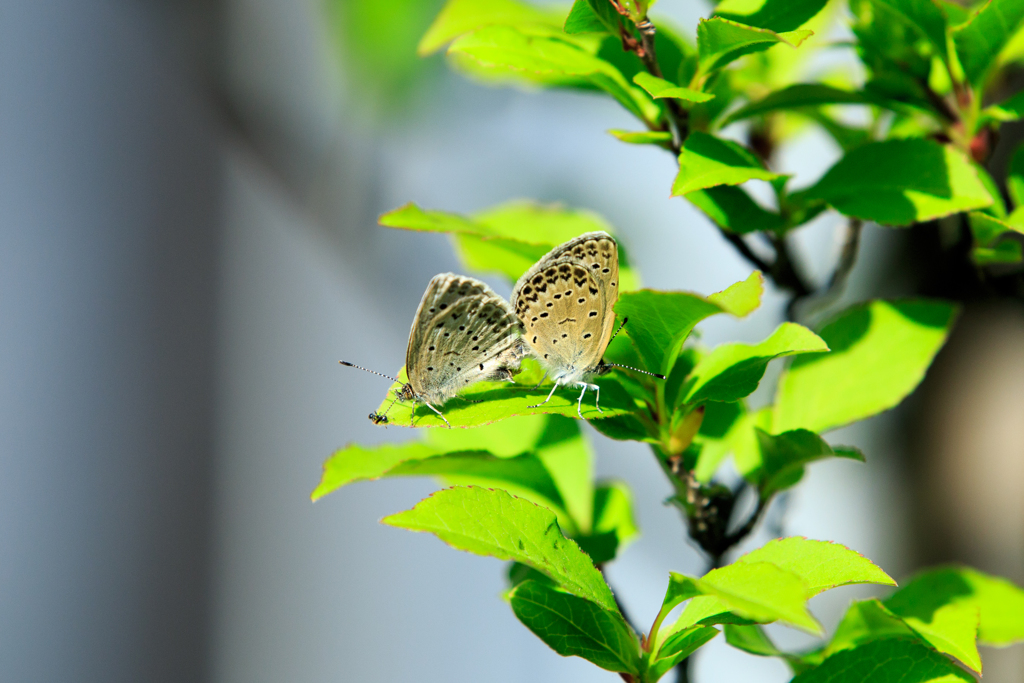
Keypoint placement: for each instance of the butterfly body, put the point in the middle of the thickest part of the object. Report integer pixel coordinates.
(565, 303)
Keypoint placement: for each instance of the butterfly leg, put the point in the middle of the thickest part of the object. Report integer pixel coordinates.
(438, 414)
(547, 399)
(542, 379)
(579, 404)
(597, 397)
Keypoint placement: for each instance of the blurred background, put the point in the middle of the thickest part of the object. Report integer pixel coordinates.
(189, 244)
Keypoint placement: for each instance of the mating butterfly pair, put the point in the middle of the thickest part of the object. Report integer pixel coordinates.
(561, 314)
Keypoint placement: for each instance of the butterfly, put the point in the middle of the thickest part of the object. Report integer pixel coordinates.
(565, 304)
(462, 333)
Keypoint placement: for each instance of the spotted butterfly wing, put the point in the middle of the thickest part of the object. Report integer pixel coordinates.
(565, 303)
(462, 333)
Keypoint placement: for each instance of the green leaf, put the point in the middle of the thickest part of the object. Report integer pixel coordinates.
(358, 463)
(659, 322)
(647, 137)
(485, 402)
(732, 371)
(496, 524)
(463, 16)
(864, 621)
(732, 208)
(613, 527)
(783, 458)
(1011, 109)
(751, 638)
(776, 15)
(880, 352)
(925, 16)
(511, 237)
(1015, 177)
(980, 40)
(763, 592)
(583, 19)
(678, 647)
(503, 53)
(999, 603)
(741, 298)
(892, 660)
(989, 247)
(706, 161)
(573, 626)
(659, 88)
(898, 182)
(720, 41)
(799, 96)
(821, 565)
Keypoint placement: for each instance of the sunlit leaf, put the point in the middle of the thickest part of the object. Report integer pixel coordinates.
(732, 371)
(659, 88)
(880, 352)
(659, 322)
(776, 15)
(899, 182)
(720, 41)
(497, 524)
(988, 30)
(706, 161)
(463, 16)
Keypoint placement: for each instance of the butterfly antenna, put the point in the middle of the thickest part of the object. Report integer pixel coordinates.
(630, 367)
(621, 325)
(359, 367)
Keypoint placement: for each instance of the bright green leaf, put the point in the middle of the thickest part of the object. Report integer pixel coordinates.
(821, 565)
(980, 40)
(732, 371)
(485, 402)
(497, 524)
(741, 298)
(751, 638)
(880, 352)
(763, 592)
(776, 15)
(864, 621)
(573, 626)
(892, 660)
(659, 322)
(613, 527)
(706, 161)
(1011, 109)
(502, 53)
(733, 209)
(462, 16)
(898, 182)
(511, 237)
(1015, 177)
(799, 96)
(926, 16)
(647, 137)
(784, 456)
(989, 247)
(583, 19)
(720, 41)
(999, 602)
(678, 647)
(659, 88)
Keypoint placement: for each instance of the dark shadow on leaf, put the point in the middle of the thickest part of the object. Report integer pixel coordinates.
(928, 592)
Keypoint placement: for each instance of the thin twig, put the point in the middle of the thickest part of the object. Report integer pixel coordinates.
(841, 276)
(679, 116)
(744, 249)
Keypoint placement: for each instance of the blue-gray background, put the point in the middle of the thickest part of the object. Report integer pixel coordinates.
(188, 245)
